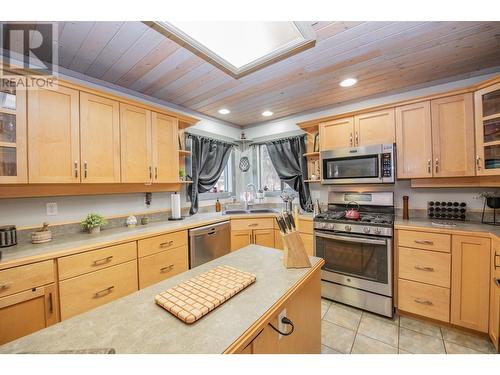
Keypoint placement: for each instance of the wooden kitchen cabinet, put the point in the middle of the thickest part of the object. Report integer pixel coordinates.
(487, 119)
(414, 140)
(241, 238)
(99, 139)
(165, 148)
(136, 145)
(470, 282)
(263, 237)
(27, 312)
(336, 133)
(13, 141)
(453, 136)
(374, 128)
(160, 266)
(53, 135)
(259, 231)
(494, 327)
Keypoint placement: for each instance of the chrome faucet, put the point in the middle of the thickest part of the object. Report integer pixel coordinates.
(247, 191)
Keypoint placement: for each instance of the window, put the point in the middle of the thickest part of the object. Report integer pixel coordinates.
(225, 182)
(266, 176)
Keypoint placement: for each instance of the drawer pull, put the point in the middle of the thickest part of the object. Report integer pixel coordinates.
(102, 261)
(497, 256)
(51, 304)
(167, 244)
(423, 301)
(253, 224)
(424, 268)
(104, 292)
(5, 285)
(497, 282)
(424, 242)
(167, 268)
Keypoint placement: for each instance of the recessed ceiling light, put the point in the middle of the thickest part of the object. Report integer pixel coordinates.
(267, 113)
(224, 111)
(348, 82)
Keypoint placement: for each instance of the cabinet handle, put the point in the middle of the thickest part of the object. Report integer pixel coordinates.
(429, 166)
(478, 162)
(85, 169)
(497, 256)
(150, 172)
(167, 268)
(497, 282)
(6, 285)
(424, 242)
(102, 261)
(357, 139)
(424, 268)
(104, 292)
(51, 303)
(156, 173)
(75, 167)
(253, 225)
(437, 165)
(350, 138)
(423, 301)
(167, 244)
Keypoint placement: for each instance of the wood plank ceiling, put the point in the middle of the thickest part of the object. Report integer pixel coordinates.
(384, 56)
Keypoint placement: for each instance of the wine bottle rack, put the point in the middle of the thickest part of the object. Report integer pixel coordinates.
(447, 210)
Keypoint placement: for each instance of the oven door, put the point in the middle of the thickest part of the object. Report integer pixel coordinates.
(357, 261)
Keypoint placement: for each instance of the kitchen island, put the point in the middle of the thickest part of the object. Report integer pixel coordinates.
(135, 324)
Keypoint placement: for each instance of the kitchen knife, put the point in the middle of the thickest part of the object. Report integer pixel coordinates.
(287, 222)
(281, 224)
(291, 220)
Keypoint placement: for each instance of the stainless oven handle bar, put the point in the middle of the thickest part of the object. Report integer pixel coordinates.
(351, 239)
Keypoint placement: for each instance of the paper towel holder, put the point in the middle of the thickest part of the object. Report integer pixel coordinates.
(175, 218)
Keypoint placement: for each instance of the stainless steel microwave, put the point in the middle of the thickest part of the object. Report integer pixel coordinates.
(374, 164)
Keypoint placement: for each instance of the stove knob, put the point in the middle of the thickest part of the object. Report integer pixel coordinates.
(378, 231)
(366, 229)
(348, 228)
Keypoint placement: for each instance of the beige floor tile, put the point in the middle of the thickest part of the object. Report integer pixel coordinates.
(420, 326)
(469, 340)
(452, 348)
(401, 351)
(325, 305)
(327, 350)
(418, 343)
(394, 320)
(343, 316)
(366, 345)
(336, 337)
(381, 330)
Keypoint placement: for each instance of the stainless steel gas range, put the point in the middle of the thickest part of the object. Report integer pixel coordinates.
(358, 253)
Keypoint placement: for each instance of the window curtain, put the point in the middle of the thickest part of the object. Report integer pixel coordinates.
(209, 158)
(287, 156)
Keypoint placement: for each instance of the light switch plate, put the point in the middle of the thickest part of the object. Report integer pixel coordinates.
(281, 326)
(51, 209)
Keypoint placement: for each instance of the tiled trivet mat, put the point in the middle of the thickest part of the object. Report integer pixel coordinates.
(192, 299)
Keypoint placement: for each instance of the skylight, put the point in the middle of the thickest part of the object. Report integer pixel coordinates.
(240, 47)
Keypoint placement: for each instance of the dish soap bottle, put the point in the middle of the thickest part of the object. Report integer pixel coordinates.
(217, 205)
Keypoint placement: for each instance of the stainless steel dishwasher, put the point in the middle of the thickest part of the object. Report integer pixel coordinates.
(209, 242)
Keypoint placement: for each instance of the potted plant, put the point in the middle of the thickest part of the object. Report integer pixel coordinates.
(182, 174)
(492, 199)
(93, 223)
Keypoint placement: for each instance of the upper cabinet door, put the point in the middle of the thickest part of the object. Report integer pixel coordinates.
(487, 112)
(453, 136)
(99, 139)
(165, 148)
(53, 136)
(414, 140)
(135, 134)
(13, 153)
(374, 128)
(336, 133)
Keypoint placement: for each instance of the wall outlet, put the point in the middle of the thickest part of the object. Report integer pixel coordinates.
(281, 327)
(51, 209)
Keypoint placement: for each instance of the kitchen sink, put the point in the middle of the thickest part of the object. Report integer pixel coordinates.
(234, 212)
(252, 211)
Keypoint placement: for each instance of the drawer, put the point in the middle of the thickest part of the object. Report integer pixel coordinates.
(160, 266)
(156, 244)
(244, 224)
(425, 300)
(305, 226)
(428, 267)
(424, 240)
(79, 264)
(85, 292)
(17, 279)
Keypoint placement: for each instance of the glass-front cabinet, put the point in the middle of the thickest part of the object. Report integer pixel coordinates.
(13, 153)
(487, 102)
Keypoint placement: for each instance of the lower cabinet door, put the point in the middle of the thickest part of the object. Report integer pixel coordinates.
(27, 312)
(494, 327)
(263, 237)
(422, 299)
(85, 292)
(240, 238)
(157, 267)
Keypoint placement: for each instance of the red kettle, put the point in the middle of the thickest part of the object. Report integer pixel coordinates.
(352, 213)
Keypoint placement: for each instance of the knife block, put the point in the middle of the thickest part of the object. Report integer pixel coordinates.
(294, 252)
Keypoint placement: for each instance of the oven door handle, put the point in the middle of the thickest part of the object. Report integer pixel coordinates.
(351, 239)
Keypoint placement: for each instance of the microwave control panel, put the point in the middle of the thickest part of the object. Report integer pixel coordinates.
(386, 164)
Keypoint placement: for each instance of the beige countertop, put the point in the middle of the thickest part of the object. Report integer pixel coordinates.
(78, 242)
(466, 226)
(135, 324)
